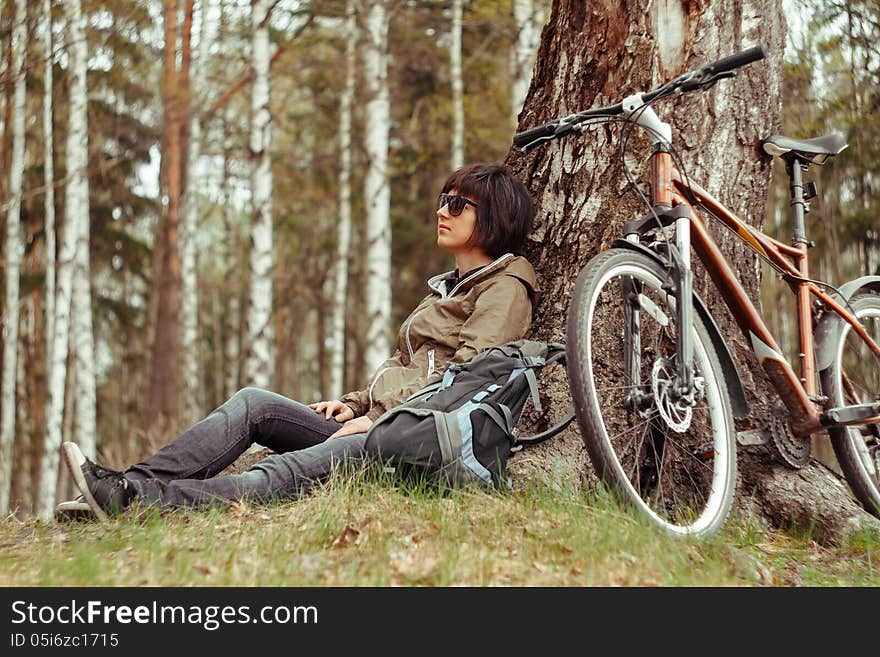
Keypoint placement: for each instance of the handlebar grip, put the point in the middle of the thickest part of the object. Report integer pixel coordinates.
(520, 139)
(737, 60)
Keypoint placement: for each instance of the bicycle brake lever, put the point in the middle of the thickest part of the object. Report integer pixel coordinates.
(532, 145)
(708, 84)
(562, 130)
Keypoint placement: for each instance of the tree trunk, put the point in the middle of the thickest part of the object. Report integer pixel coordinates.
(66, 264)
(82, 335)
(232, 345)
(377, 194)
(13, 256)
(343, 229)
(525, 16)
(49, 180)
(260, 361)
(192, 382)
(590, 57)
(457, 87)
(161, 410)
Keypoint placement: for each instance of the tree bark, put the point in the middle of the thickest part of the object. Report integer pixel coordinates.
(377, 194)
(45, 503)
(49, 179)
(457, 86)
(596, 56)
(260, 361)
(13, 256)
(82, 334)
(343, 229)
(192, 383)
(162, 408)
(525, 16)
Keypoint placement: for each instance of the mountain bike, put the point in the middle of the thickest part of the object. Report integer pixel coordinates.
(654, 384)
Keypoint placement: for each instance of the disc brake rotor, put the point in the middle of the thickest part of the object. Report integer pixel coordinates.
(676, 413)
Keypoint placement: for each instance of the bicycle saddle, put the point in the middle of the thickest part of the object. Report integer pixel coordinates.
(815, 150)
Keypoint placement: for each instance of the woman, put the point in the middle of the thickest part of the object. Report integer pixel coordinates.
(483, 217)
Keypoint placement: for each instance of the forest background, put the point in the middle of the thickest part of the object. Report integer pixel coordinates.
(226, 175)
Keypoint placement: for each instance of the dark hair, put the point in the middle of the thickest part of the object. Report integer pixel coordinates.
(505, 212)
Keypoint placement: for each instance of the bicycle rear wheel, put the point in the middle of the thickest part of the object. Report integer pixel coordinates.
(673, 459)
(854, 378)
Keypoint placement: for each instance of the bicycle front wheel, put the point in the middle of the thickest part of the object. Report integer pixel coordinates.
(672, 457)
(854, 378)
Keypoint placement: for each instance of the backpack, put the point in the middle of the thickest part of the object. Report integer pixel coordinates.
(463, 428)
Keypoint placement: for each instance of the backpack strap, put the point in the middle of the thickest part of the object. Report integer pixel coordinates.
(505, 423)
(557, 356)
(532, 381)
(520, 441)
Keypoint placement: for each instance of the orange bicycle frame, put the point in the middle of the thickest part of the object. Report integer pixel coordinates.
(799, 393)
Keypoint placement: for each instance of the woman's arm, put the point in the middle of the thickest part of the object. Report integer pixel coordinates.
(359, 400)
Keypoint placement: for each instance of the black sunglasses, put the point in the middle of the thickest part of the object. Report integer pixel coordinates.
(455, 203)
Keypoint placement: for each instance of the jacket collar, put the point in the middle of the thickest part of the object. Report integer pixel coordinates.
(438, 283)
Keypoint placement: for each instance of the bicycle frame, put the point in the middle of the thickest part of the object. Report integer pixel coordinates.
(799, 393)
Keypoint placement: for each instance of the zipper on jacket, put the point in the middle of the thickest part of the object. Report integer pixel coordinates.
(430, 362)
(479, 271)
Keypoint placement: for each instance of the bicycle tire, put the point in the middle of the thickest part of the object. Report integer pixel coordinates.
(699, 477)
(852, 378)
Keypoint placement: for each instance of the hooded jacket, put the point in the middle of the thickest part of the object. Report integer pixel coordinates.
(455, 322)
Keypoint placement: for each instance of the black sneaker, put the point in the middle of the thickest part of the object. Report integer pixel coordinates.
(106, 491)
(75, 509)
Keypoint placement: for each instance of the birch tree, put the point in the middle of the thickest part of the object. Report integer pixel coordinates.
(231, 347)
(13, 254)
(343, 231)
(188, 257)
(526, 17)
(457, 86)
(77, 206)
(49, 180)
(377, 194)
(259, 365)
(75, 152)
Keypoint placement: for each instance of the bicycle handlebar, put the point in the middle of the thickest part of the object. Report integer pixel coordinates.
(700, 79)
(738, 60)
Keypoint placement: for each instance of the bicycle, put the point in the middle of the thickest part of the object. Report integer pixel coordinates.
(656, 407)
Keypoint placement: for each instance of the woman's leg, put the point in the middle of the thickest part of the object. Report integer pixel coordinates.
(251, 415)
(280, 476)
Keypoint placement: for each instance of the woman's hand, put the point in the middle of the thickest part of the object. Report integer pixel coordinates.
(358, 425)
(335, 409)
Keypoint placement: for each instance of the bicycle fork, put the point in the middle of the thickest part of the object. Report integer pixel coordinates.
(679, 293)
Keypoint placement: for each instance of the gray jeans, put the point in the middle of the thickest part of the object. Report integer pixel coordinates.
(184, 472)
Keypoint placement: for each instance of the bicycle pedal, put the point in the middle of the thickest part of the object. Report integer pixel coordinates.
(753, 437)
(856, 414)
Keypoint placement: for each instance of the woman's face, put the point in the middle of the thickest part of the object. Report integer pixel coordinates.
(453, 232)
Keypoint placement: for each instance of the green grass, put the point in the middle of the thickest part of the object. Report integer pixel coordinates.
(363, 531)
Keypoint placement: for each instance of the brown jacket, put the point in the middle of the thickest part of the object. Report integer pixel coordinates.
(488, 307)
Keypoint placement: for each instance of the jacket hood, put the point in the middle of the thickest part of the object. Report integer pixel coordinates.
(508, 264)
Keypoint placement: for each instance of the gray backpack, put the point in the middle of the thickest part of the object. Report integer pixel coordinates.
(462, 428)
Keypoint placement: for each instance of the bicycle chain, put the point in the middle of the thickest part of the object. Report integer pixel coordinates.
(794, 451)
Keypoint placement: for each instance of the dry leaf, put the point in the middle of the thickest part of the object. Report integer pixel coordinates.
(347, 538)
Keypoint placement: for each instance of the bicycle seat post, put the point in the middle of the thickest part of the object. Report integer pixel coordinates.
(799, 208)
